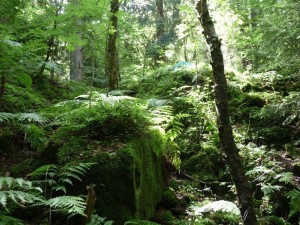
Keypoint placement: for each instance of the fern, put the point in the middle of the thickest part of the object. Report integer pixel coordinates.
(22, 117)
(175, 127)
(97, 220)
(270, 188)
(5, 116)
(295, 202)
(8, 220)
(67, 205)
(18, 190)
(58, 178)
(30, 117)
(286, 177)
(224, 206)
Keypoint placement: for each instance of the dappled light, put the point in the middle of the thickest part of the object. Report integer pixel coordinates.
(149, 112)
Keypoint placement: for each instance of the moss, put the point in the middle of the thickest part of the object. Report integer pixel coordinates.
(148, 179)
(129, 182)
(113, 176)
(272, 135)
(206, 164)
(224, 218)
(69, 150)
(164, 217)
(22, 168)
(169, 199)
(18, 99)
(140, 222)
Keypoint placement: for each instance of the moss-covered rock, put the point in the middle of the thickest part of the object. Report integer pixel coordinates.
(129, 182)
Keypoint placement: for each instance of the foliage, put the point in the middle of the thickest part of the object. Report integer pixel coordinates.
(22, 117)
(264, 24)
(67, 205)
(58, 178)
(46, 118)
(26, 193)
(97, 220)
(7, 220)
(18, 190)
(295, 202)
(163, 81)
(140, 222)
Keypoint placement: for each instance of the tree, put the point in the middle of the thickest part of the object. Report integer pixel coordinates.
(268, 38)
(57, 7)
(76, 63)
(112, 57)
(233, 159)
(160, 31)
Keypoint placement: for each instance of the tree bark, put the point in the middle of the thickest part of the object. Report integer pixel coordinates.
(112, 57)
(76, 71)
(51, 41)
(160, 31)
(2, 86)
(76, 57)
(90, 203)
(233, 159)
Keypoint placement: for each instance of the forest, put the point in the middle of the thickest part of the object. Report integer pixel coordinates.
(150, 112)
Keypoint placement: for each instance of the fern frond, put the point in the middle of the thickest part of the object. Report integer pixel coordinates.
(5, 116)
(44, 171)
(286, 177)
(295, 202)
(67, 205)
(69, 172)
(18, 190)
(173, 153)
(7, 183)
(31, 117)
(8, 220)
(269, 188)
(22, 117)
(19, 197)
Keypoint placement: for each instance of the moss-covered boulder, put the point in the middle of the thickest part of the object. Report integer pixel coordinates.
(129, 182)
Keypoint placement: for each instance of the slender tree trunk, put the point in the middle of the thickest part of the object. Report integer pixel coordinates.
(51, 41)
(233, 159)
(112, 57)
(48, 54)
(160, 31)
(76, 57)
(2, 86)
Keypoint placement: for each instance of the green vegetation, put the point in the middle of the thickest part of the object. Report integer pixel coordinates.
(108, 116)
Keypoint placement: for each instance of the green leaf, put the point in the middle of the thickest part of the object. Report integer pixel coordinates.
(286, 177)
(269, 189)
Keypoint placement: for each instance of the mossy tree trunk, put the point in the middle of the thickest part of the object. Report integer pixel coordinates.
(112, 58)
(233, 159)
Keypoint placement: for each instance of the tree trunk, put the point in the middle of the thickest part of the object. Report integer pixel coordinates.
(76, 57)
(2, 86)
(51, 41)
(76, 71)
(160, 31)
(90, 203)
(234, 161)
(112, 57)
